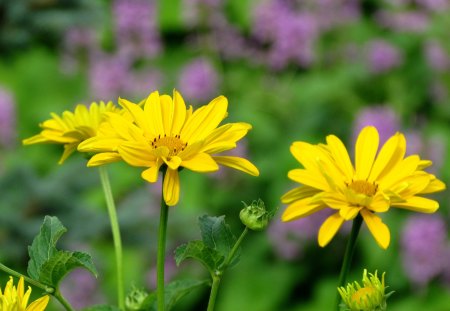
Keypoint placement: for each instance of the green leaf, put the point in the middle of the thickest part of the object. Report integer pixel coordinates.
(173, 292)
(209, 257)
(49, 265)
(216, 234)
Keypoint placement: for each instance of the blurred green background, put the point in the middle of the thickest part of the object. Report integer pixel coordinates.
(295, 70)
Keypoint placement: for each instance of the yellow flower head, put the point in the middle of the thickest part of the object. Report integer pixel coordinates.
(16, 299)
(378, 181)
(72, 127)
(368, 297)
(165, 133)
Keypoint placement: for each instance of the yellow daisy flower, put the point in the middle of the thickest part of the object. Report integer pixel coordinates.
(165, 132)
(16, 299)
(378, 181)
(71, 128)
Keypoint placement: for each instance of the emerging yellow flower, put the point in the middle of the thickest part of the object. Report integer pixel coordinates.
(16, 299)
(165, 132)
(368, 297)
(72, 127)
(373, 185)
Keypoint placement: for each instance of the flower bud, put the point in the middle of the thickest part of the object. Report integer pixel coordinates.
(255, 215)
(134, 300)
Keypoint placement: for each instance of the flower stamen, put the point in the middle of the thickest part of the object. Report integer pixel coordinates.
(173, 143)
(363, 187)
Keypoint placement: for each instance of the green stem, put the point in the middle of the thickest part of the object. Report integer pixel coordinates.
(160, 261)
(350, 249)
(217, 277)
(47, 289)
(115, 233)
(63, 301)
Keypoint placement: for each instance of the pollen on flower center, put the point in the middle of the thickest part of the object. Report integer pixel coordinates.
(363, 187)
(173, 143)
(362, 294)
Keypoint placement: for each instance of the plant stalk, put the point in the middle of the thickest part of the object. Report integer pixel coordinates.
(349, 251)
(160, 261)
(46, 288)
(115, 233)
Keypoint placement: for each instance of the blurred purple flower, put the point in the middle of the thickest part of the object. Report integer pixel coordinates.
(437, 58)
(78, 44)
(81, 289)
(198, 12)
(424, 247)
(198, 81)
(434, 5)
(382, 117)
(406, 21)
(136, 28)
(7, 119)
(415, 142)
(431, 148)
(291, 34)
(382, 56)
(289, 238)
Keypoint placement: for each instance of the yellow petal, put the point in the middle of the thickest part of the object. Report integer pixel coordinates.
(419, 204)
(37, 139)
(435, 185)
(138, 115)
(179, 112)
(386, 156)
(399, 172)
(68, 150)
(99, 144)
(151, 174)
(166, 113)
(201, 162)
(237, 163)
(153, 114)
(335, 201)
(308, 178)
(366, 149)
(225, 137)
(39, 304)
(379, 203)
(340, 154)
(298, 194)
(329, 229)
(171, 187)
(25, 298)
(173, 163)
(103, 158)
(299, 209)
(136, 154)
(378, 229)
(204, 120)
(349, 212)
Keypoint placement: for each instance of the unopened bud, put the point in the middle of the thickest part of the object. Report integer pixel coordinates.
(134, 300)
(255, 215)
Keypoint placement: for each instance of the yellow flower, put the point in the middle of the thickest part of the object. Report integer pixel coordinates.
(368, 297)
(165, 133)
(72, 127)
(16, 299)
(378, 181)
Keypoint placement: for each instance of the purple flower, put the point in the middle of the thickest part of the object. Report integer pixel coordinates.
(136, 28)
(407, 21)
(81, 289)
(424, 248)
(432, 148)
(198, 81)
(434, 5)
(7, 119)
(289, 238)
(382, 56)
(78, 44)
(382, 117)
(437, 58)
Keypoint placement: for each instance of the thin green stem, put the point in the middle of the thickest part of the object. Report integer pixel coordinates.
(217, 277)
(160, 261)
(46, 288)
(115, 233)
(63, 301)
(214, 291)
(350, 249)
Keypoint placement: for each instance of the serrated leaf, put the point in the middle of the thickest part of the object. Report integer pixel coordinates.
(101, 308)
(49, 265)
(210, 258)
(216, 234)
(173, 292)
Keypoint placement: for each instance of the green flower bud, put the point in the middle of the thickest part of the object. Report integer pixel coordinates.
(134, 300)
(370, 296)
(255, 215)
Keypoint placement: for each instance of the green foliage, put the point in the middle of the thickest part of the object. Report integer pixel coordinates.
(173, 292)
(198, 250)
(49, 265)
(101, 308)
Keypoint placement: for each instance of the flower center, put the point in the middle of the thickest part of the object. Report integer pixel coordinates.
(173, 143)
(363, 187)
(362, 294)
